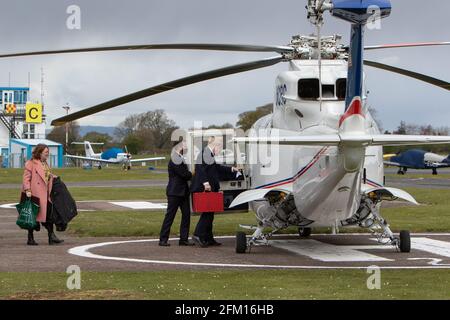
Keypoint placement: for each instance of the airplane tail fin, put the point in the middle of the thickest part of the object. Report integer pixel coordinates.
(88, 149)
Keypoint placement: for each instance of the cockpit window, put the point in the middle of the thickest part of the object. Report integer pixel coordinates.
(341, 87)
(308, 89)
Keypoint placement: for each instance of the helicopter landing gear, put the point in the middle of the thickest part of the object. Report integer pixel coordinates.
(99, 167)
(241, 242)
(304, 232)
(381, 230)
(434, 172)
(258, 238)
(404, 241)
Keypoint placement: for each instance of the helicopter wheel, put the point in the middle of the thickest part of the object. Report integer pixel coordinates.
(99, 167)
(405, 241)
(400, 171)
(434, 172)
(304, 232)
(129, 168)
(241, 242)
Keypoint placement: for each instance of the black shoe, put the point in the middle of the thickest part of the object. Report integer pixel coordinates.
(164, 244)
(185, 243)
(199, 242)
(214, 243)
(31, 241)
(53, 239)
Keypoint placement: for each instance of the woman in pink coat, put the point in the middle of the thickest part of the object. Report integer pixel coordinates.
(37, 182)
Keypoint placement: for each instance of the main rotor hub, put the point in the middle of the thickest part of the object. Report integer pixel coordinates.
(307, 47)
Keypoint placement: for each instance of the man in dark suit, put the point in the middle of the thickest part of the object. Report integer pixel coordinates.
(177, 192)
(206, 178)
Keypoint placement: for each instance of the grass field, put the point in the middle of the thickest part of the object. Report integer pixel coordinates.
(227, 284)
(79, 175)
(433, 215)
(94, 193)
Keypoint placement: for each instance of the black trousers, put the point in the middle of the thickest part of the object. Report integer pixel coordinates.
(173, 203)
(204, 228)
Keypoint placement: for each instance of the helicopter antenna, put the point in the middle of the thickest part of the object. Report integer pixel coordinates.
(319, 44)
(315, 10)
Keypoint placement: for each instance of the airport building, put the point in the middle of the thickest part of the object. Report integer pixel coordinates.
(22, 128)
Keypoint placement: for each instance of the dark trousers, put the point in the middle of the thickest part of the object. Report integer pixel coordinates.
(204, 228)
(173, 203)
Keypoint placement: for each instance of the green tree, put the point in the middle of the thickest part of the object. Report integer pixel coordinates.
(248, 118)
(134, 144)
(94, 136)
(58, 134)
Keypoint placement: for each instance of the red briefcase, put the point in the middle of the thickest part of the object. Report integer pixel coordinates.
(207, 202)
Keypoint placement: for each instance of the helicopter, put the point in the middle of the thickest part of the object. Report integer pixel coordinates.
(330, 148)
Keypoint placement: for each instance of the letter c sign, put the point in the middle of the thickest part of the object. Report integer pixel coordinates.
(33, 113)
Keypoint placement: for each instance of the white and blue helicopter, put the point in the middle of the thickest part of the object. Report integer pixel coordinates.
(329, 147)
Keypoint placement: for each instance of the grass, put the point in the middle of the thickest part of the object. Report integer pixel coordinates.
(80, 175)
(433, 215)
(145, 223)
(95, 193)
(229, 284)
(425, 175)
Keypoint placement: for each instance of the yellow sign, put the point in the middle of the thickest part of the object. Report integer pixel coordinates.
(33, 112)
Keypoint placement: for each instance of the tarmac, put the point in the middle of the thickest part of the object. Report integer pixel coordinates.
(339, 251)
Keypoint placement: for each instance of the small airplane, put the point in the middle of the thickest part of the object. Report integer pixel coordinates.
(110, 156)
(417, 159)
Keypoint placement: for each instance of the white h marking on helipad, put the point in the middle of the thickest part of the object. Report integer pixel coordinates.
(141, 205)
(439, 247)
(328, 252)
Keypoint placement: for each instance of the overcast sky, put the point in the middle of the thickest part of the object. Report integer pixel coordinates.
(83, 80)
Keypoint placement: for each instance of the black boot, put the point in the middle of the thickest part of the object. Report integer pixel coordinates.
(31, 241)
(52, 238)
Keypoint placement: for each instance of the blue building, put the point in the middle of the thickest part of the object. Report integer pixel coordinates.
(21, 151)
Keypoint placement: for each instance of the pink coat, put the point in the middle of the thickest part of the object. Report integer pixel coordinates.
(34, 180)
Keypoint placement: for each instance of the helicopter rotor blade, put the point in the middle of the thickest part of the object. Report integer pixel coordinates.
(184, 46)
(408, 45)
(212, 74)
(419, 76)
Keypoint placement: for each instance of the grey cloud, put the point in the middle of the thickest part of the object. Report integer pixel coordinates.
(87, 79)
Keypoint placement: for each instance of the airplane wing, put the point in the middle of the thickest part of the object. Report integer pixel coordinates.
(390, 163)
(147, 159)
(339, 139)
(90, 159)
(439, 164)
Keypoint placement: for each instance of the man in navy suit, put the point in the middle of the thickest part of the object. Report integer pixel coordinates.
(177, 192)
(206, 178)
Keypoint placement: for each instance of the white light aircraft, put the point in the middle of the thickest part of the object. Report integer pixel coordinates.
(110, 156)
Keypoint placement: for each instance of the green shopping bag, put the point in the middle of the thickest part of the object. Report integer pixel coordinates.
(28, 212)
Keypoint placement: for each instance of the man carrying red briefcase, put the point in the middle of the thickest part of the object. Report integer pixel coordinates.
(205, 191)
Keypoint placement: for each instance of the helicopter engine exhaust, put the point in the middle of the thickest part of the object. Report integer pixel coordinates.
(281, 214)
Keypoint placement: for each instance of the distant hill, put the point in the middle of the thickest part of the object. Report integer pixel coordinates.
(107, 130)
